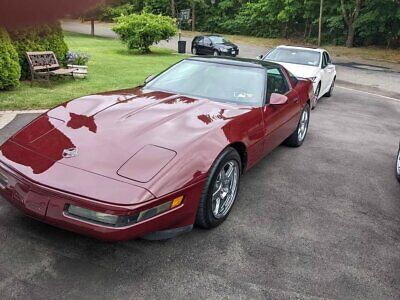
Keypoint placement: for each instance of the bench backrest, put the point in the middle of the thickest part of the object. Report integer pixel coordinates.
(42, 60)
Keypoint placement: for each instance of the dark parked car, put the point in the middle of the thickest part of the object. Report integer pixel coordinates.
(398, 165)
(213, 45)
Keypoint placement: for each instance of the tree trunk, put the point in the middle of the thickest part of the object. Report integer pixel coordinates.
(193, 16)
(173, 8)
(320, 23)
(350, 18)
(92, 27)
(350, 36)
(305, 30)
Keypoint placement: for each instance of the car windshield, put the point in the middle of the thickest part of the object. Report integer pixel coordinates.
(213, 81)
(294, 56)
(218, 39)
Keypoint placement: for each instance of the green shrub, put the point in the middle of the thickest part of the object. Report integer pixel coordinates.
(110, 13)
(39, 38)
(141, 31)
(10, 71)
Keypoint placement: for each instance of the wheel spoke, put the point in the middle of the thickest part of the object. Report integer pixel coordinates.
(228, 174)
(217, 202)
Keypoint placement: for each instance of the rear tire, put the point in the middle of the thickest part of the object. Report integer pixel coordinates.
(299, 135)
(330, 92)
(194, 51)
(216, 190)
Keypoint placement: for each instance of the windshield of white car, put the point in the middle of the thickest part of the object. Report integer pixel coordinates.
(218, 39)
(214, 81)
(294, 56)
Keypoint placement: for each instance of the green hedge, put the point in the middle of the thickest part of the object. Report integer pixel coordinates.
(10, 71)
(141, 31)
(39, 38)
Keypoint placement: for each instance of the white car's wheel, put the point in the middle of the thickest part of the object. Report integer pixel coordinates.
(330, 92)
(316, 98)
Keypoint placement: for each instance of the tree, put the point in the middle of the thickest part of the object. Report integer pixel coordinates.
(141, 31)
(350, 14)
(320, 23)
(173, 8)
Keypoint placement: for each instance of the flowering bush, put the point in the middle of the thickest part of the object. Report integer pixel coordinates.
(77, 58)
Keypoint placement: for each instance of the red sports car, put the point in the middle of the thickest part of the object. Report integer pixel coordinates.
(155, 160)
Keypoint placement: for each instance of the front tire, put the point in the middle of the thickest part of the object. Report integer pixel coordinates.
(220, 190)
(330, 92)
(216, 53)
(299, 135)
(316, 96)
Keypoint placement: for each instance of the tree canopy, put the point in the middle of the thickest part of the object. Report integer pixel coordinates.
(345, 22)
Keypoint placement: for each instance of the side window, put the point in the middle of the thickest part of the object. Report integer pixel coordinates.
(293, 78)
(207, 42)
(324, 61)
(200, 40)
(276, 82)
(328, 58)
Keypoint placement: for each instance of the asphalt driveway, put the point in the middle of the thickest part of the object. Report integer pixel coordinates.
(322, 220)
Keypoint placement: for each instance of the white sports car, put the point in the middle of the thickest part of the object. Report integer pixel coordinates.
(314, 64)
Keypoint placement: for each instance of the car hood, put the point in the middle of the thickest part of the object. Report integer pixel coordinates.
(126, 135)
(303, 71)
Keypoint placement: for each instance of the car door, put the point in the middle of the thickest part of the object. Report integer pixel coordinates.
(330, 70)
(200, 45)
(280, 121)
(327, 73)
(208, 49)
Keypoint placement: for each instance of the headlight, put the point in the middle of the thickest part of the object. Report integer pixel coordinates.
(120, 221)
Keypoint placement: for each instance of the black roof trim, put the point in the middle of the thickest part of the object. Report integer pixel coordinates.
(244, 62)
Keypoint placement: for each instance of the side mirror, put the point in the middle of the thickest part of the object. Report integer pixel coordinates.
(278, 99)
(149, 78)
(260, 57)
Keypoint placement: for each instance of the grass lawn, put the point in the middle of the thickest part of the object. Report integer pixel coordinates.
(111, 67)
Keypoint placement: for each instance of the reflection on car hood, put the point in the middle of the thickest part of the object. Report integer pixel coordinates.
(99, 133)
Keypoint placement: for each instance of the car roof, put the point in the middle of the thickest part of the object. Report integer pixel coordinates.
(302, 48)
(243, 62)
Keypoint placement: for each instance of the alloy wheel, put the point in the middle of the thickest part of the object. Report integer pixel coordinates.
(225, 189)
(303, 126)
(332, 87)
(317, 94)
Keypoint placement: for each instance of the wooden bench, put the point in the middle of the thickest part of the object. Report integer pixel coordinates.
(45, 64)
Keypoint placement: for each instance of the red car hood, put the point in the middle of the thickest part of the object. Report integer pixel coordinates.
(100, 133)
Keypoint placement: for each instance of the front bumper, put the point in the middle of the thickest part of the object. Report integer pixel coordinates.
(232, 53)
(49, 205)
